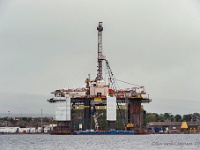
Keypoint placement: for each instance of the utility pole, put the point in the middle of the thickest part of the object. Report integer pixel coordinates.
(170, 127)
(41, 117)
(8, 118)
(100, 55)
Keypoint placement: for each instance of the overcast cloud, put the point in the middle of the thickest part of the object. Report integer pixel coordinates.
(52, 44)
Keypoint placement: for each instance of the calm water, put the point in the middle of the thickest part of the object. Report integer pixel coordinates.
(100, 142)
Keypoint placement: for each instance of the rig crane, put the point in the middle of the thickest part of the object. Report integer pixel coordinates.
(114, 86)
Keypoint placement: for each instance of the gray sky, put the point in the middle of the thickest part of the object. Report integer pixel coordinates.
(52, 44)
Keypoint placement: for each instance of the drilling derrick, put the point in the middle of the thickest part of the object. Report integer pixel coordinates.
(100, 54)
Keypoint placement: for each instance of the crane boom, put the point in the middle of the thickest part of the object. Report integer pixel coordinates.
(111, 76)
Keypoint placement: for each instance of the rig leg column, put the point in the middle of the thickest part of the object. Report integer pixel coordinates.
(111, 125)
(87, 114)
(111, 113)
(135, 113)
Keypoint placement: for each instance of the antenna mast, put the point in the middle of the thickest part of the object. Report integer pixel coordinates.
(100, 55)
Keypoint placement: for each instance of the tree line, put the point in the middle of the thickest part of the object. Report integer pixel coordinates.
(154, 117)
(25, 121)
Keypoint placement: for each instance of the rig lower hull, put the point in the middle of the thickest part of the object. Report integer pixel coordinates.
(61, 133)
(103, 133)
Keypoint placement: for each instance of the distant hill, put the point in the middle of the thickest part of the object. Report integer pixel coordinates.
(174, 106)
(25, 105)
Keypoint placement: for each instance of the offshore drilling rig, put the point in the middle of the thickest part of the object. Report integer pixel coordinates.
(100, 107)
